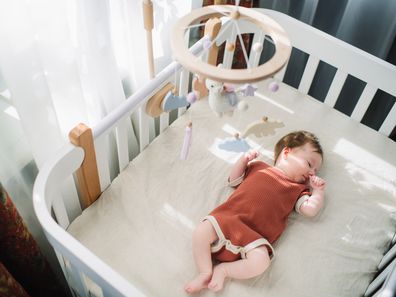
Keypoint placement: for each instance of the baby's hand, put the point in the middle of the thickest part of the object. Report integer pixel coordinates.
(251, 155)
(316, 182)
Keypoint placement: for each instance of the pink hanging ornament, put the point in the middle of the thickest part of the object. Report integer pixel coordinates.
(273, 86)
(186, 142)
(191, 97)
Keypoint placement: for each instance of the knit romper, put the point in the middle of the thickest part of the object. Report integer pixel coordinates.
(257, 210)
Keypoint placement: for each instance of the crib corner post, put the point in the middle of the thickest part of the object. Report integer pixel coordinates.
(87, 174)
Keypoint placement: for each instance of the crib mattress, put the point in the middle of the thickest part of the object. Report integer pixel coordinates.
(142, 224)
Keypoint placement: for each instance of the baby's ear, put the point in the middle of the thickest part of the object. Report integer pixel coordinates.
(286, 151)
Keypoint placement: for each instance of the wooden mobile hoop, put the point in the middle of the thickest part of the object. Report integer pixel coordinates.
(196, 65)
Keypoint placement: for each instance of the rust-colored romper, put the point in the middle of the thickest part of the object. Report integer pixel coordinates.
(258, 208)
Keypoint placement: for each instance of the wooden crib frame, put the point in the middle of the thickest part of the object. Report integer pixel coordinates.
(55, 197)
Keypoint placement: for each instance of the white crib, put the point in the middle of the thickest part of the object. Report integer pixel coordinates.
(86, 273)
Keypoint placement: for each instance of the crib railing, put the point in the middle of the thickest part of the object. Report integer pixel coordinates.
(90, 276)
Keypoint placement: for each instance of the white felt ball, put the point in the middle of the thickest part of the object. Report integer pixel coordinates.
(273, 86)
(242, 105)
(191, 97)
(257, 47)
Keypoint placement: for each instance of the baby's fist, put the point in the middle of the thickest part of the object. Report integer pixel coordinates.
(316, 182)
(251, 155)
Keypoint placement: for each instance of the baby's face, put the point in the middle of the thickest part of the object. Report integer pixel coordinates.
(302, 162)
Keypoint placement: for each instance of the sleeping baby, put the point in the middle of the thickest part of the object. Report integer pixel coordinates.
(238, 233)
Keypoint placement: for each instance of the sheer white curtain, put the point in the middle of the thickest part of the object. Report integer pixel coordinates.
(69, 61)
(66, 62)
(57, 61)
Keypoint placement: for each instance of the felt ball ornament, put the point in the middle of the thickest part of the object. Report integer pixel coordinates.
(191, 97)
(273, 86)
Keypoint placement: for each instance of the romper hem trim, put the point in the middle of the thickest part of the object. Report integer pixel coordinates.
(224, 242)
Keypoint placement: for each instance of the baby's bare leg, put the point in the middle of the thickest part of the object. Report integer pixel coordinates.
(256, 262)
(203, 236)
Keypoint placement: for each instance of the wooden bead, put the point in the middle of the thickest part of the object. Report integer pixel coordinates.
(235, 15)
(230, 47)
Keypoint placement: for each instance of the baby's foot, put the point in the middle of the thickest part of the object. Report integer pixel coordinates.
(198, 283)
(218, 277)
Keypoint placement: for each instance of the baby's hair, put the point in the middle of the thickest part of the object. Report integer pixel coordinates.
(296, 139)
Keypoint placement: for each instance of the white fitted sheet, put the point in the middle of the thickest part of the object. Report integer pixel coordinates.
(142, 224)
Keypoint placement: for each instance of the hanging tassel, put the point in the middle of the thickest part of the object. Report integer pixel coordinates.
(186, 142)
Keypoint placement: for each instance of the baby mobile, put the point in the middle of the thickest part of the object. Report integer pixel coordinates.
(218, 81)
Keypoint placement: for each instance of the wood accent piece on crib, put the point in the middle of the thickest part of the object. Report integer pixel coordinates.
(212, 29)
(154, 104)
(87, 174)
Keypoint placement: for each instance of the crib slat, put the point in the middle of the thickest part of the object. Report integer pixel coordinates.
(70, 198)
(390, 122)
(388, 257)
(364, 102)
(93, 288)
(143, 129)
(254, 57)
(122, 144)
(60, 211)
(133, 143)
(77, 281)
(308, 75)
(335, 88)
(66, 268)
(61, 262)
(389, 286)
(164, 121)
(102, 153)
(379, 280)
(151, 124)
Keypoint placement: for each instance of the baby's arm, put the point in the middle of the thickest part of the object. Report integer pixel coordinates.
(309, 206)
(238, 170)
